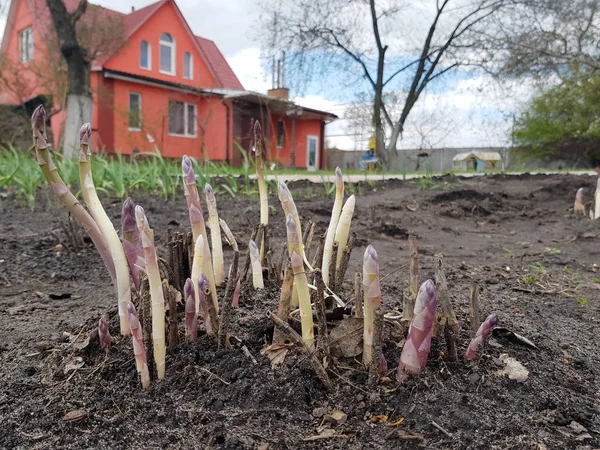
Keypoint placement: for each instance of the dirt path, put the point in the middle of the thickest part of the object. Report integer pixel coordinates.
(514, 236)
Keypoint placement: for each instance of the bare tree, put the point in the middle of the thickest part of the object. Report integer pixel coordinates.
(373, 39)
(80, 41)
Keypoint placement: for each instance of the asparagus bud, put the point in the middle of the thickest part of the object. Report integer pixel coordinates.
(138, 346)
(481, 337)
(335, 217)
(371, 301)
(215, 235)
(204, 308)
(579, 209)
(65, 196)
(343, 228)
(289, 207)
(257, 275)
(191, 318)
(197, 265)
(106, 227)
(300, 282)
(197, 219)
(156, 291)
(418, 343)
(131, 241)
(104, 334)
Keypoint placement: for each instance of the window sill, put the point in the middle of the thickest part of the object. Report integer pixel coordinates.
(187, 78)
(188, 136)
(135, 129)
(149, 69)
(167, 73)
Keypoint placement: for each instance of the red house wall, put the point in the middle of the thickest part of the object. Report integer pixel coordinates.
(165, 20)
(304, 129)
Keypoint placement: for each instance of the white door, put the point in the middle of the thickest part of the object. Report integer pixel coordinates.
(312, 154)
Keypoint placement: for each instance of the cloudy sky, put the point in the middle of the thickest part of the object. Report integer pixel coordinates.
(463, 112)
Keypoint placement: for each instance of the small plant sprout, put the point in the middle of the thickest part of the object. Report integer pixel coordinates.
(257, 275)
(131, 241)
(201, 288)
(418, 343)
(106, 227)
(597, 201)
(141, 363)
(289, 207)
(191, 317)
(215, 235)
(481, 337)
(196, 217)
(300, 282)
(231, 241)
(331, 230)
(156, 291)
(343, 228)
(197, 264)
(104, 334)
(260, 155)
(371, 301)
(60, 189)
(579, 208)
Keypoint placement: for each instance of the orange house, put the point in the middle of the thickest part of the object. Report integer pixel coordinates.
(162, 89)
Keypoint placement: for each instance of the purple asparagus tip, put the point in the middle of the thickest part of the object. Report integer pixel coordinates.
(202, 282)
(103, 333)
(85, 133)
(131, 309)
(189, 177)
(210, 193)
(291, 224)
(188, 288)
(128, 215)
(371, 253)
(38, 121)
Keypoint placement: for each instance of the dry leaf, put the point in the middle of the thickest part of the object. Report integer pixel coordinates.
(346, 337)
(338, 416)
(328, 433)
(73, 364)
(379, 419)
(396, 423)
(75, 416)
(83, 344)
(513, 368)
(401, 343)
(385, 379)
(276, 353)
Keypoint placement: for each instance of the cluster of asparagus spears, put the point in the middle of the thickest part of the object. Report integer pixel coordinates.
(133, 259)
(579, 207)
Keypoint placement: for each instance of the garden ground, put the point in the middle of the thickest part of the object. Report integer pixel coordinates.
(513, 235)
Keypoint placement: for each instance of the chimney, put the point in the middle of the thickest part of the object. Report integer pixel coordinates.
(279, 90)
(132, 8)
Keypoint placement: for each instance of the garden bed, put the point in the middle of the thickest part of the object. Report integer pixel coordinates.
(514, 236)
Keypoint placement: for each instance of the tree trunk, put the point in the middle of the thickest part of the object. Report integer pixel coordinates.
(79, 111)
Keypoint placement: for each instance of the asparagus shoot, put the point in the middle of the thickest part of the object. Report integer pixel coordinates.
(191, 316)
(343, 228)
(106, 227)
(131, 241)
(481, 337)
(418, 343)
(215, 235)
(335, 217)
(260, 155)
(139, 350)
(257, 275)
(300, 281)
(371, 301)
(156, 291)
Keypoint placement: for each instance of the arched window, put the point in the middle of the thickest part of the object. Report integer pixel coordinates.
(167, 54)
(145, 55)
(188, 66)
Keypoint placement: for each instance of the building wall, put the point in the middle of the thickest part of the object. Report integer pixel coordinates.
(304, 129)
(165, 20)
(211, 123)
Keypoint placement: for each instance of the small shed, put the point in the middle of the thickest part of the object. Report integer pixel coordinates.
(476, 161)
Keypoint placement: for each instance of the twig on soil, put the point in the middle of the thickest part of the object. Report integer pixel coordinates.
(341, 273)
(213, 375)
(358, 295)
(249, 355)
(413, 286)
(449, 322)
(440, 428)
(474, 309)
(318, 259)
(284, 302)
(377, 348)
(296, 339)
(226, 309)
(323, 341)
(332, 269)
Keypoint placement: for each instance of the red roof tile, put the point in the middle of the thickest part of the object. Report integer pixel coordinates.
(217, 61)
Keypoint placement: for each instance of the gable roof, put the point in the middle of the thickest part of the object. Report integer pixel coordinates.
(215, 61)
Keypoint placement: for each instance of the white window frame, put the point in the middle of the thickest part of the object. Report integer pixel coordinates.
(149, 56)
(171, 45)
(316, 139)
(191, 77)
(24, 55)
(185, 120)
(139, 95)
(282, 133)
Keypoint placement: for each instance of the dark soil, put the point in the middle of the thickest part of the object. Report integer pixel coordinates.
(514, 236)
